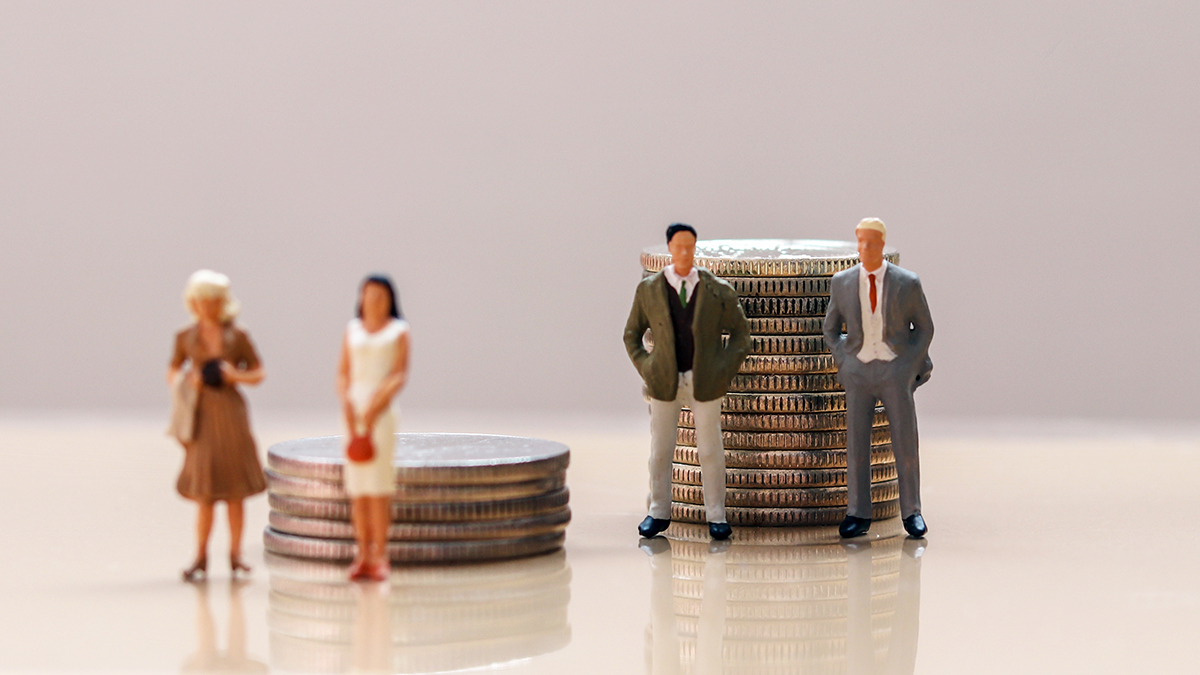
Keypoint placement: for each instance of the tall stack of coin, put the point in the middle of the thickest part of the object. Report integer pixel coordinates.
(434, 619)
(459, 497)
(784, 600)
(784, 420)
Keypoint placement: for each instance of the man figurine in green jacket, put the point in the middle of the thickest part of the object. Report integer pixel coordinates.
(687, 309)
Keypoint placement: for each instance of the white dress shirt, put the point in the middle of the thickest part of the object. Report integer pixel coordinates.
(873, 347)
(674, 279)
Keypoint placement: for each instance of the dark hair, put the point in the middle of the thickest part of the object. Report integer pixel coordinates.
(676, 228)
(382, 280)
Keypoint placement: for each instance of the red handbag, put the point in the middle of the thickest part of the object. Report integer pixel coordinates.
(360, 449)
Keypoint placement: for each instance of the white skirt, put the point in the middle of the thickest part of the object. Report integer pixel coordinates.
(375, 477)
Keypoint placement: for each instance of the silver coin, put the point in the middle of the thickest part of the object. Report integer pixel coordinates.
(785, 498)
(555, 521)
(686, 474)
(788, 517)
(786, 384)
(793, 440)
(793, 460)
(823, 421)
(438, 459)
(427, 513)
(774, 307)
(767, 257)
(784, 403)
(492, 574)
(690, 537)
(790, 325)
(414, 551)
(779, 287)
(791, 364)
(312, 488)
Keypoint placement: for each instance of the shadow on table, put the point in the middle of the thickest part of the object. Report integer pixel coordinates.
(783, 600)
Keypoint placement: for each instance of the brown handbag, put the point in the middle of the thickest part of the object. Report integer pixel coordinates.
(360, 449)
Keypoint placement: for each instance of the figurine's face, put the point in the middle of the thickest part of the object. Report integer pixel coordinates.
(208, 308)
(376, 305)
(870, 248)
(683, 251)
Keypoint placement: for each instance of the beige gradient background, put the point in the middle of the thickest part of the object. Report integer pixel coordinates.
(506, 162)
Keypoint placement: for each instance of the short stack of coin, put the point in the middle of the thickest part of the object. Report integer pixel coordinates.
(458, 498)
(784, 420)
(434, 619)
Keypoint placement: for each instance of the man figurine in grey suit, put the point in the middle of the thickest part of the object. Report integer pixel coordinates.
(884, 354)
(686, 309)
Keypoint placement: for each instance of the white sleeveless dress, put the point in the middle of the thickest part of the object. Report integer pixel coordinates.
(372, 357)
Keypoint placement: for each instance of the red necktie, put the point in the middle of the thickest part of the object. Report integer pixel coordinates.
(872, 278)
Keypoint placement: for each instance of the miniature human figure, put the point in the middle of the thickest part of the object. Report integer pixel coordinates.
(221, 460)
(372, 370)
(884, 355)
(686, 309)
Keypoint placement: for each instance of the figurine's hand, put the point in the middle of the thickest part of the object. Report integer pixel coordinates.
(229, 373)
(193, 376)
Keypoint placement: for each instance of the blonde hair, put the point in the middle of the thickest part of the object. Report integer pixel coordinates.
(210, 284)
(873, 224)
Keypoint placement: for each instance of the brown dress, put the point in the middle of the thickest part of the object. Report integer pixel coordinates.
(222, 460)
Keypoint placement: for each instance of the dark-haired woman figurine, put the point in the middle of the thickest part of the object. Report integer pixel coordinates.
(221, 460)
(372, 370)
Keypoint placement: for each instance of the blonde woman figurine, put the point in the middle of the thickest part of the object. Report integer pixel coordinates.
(372, 370)
(212, 357)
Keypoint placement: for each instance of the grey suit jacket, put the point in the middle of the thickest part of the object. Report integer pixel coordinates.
(907, 325)
(714, 364)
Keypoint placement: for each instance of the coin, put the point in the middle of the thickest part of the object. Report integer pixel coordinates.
(686, 474)
(312, 488)
(690, 537)
(555, 521)
(423, 513)
(414, 551)
(775, 517)
(788, 344)
(791, 364)
(784, 403)
(786, 384)
(757, 306)
(789, 325)
(438, 459)
(767, 257)
(824, 421)
(736, 458)
(779, 287)
(779, 498)
(773, 440)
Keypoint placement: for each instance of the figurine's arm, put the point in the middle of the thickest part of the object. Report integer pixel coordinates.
(248, 369)
(635, 328)
(739, 331)
(832, 328)
(920, 332)
(343, 385)
(391, 385)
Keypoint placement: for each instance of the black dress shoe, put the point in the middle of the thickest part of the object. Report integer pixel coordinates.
(915, 526)
(853, 526)
(652, 526)
(719, 531)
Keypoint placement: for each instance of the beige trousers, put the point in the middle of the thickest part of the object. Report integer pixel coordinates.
(664, 424)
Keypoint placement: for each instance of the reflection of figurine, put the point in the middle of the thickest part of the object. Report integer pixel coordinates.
(884, 355)
(686, 309)
(209, 659)
(372, 370)
(221, 463)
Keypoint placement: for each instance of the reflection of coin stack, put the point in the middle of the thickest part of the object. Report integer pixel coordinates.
(458, 497)
(782, 601)
(784, 420)
(435, 619)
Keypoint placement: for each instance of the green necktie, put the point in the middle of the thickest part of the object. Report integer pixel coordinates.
(683, 292)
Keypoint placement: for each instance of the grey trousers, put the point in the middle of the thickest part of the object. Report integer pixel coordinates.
(864, 383)
(664, 423)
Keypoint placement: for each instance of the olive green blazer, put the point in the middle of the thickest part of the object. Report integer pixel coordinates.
(714, 364)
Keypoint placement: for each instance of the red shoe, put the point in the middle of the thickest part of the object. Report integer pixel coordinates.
(358, 571)
(380, 571)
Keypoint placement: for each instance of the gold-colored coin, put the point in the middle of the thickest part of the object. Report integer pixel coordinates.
(425, 513)
(774, 307)
(790, 325)
(768, 257)
(786, 384)
(756, 547)
(779, 287)
(793, 440)
(687, 474)
(689, 537)
(788, 344)
(791, 364)
(784, 403)
(736, 458)
(555, 521)
(414, 551)
(776, 517)
(823, 421)
(783, 498)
